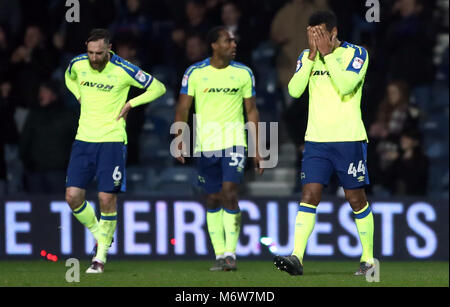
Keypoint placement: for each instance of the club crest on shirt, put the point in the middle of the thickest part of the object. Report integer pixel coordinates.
(357, 63)
(140, 76)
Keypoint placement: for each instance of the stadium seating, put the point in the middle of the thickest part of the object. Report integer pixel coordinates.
(141, 180)
(435, 132)
(179, 181)
(163, 73)
(438, 178)
(435, 143)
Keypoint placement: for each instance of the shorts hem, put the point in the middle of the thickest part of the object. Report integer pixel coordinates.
(355, 188)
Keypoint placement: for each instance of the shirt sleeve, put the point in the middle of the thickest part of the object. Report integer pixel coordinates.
(70, 77)
(155, 90)
(249, 86)
(140, 78)
(188, 82)
(346, 77)
(298, 82)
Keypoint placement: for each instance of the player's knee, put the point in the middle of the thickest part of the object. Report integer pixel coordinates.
(213, 201)
(311, 198)
(357, 202)
(106, 199)
(74, 199)
(230, 195)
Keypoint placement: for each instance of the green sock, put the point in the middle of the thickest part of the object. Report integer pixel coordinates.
(214, 221)
(232, 227)
(107, 227)
(86, 215)
(364, 224)
(304, 225)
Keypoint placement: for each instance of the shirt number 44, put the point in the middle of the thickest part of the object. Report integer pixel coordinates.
(352, 170)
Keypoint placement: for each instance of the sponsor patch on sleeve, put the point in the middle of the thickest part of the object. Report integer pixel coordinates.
(357, 63)
(184, 82)
(140, 76)
(299, 65)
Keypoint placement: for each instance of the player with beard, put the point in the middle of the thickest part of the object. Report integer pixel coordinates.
(100, 80)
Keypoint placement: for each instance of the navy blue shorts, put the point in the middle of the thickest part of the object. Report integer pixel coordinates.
(104, 161)
(347, 159)
(215, 167)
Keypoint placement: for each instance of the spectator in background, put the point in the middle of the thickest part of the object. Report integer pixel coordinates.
(411, 166)
(405, 168)
(5, 52)
(3, 174)
(195, 50)
(10, 15)
(31, 63)
(213, 8)
(383, 159)
(134, 21)
(45, 142)
(127, 48)
(71, 36)
(8, 128)
(39, 12)
(395, 113)
(287, 33)
(443, 66)
(408, 44)
(195, 21)
(232, 19)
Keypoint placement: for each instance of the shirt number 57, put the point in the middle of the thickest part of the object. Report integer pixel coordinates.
(238, 159)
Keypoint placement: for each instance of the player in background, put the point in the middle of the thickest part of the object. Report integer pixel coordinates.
(335, 139)
(222, 88)
(100, 80)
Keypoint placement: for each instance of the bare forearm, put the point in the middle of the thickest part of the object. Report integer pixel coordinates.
(182, 110)
(253, 117)
(181, 114)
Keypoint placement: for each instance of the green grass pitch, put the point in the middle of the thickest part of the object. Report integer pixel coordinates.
(176, 273)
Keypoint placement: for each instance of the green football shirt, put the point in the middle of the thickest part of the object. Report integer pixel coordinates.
(218, 96)
(335, 89)
(103, 95)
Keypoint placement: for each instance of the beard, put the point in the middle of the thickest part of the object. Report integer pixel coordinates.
(99, 63)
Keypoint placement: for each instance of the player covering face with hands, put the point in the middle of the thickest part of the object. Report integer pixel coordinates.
(335, 138)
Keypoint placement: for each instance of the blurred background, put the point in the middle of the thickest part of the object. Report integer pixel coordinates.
(405, 100)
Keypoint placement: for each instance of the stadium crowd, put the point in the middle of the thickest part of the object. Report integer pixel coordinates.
(405, 99)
